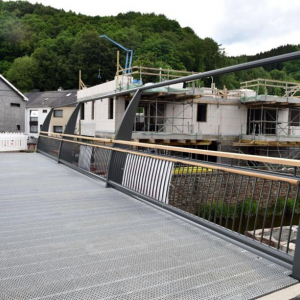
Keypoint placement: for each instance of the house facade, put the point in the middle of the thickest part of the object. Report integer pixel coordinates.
(12, 107)
(41, 103)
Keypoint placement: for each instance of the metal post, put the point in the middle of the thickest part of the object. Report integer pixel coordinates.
(296, 263)
(118, 67)
(261, 117)
(156, 116)
(79, 87)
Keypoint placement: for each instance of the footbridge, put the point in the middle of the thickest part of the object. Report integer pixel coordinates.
(92, 218)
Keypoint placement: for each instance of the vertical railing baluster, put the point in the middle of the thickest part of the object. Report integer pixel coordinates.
(292, 218)
(258, 207)
(282, 216)
(207, 193)
(197, 189)
(190, 169)
(266, 212)
(237, 202)
(229, 203)
(274, 213)
(192, 188)
(250, 206)
(218, 198)
(176, 167)
(180, 187)
(201, 197)
(224, 199)
(213, 195)
(243, 205)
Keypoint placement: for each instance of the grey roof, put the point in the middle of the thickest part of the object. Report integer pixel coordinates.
(13, 87)
(51, 99)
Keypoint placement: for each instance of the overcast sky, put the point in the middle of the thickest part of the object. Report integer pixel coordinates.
(241, 26)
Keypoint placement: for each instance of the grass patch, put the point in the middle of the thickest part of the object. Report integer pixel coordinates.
(249, 207)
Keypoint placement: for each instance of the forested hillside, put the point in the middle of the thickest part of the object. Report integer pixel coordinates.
(43, 48)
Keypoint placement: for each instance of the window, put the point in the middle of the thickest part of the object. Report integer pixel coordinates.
(201, 112)
(93, 110)
(294, 117)
(41, 126)
(44, 111)
(33, 128)
(58, 113)
(57, 129)
(82, 111)
(33, 122)
(15, 104)
(18, 127)
(110, 108)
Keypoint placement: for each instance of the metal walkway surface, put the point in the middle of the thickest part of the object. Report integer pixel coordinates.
(64, 235)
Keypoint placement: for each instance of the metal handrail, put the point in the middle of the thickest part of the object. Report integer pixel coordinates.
(272, 160)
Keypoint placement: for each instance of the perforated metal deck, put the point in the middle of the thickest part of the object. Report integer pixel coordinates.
(66, 236)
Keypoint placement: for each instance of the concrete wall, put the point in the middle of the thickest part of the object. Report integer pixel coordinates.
(225, 119)
(102, 124)
(11, 116)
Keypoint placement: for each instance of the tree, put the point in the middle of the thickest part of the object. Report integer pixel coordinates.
(23, 73)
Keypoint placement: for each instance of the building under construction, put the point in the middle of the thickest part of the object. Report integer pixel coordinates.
(247, 120)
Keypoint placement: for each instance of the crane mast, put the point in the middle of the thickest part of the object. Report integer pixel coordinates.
(129, 53)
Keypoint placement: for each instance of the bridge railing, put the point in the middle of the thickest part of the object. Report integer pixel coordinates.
(256, 208)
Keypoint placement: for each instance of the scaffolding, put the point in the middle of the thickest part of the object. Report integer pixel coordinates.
(286, 89)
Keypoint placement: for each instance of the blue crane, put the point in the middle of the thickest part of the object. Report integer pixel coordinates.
(128, 55)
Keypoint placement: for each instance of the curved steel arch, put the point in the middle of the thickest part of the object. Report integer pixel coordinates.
(117, 160)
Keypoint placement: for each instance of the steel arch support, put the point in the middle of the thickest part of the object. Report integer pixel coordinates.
(117, 160)
(65, 151)
(45, 128)
(70, 127)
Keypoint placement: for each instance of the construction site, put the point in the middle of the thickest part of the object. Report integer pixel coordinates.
(189, 115)
(262, 117)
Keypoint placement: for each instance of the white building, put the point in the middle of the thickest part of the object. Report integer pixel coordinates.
(238, 120)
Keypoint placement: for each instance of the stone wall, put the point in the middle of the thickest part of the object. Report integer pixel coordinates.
(188, 191)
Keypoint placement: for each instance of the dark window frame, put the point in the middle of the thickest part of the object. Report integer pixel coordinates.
(56, 111)
(55, 129)
(82, 109)
(15, 104)
(110, 108)
(93, 110)
(202, 112)
(33, 123)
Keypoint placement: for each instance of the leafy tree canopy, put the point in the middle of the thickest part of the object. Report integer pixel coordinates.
(44, 48)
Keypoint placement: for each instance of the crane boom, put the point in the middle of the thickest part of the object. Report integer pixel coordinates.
(129, 53)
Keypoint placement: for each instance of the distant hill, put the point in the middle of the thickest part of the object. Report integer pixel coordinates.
(43, 48)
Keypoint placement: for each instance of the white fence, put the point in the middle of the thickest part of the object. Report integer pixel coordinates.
(13, 142)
